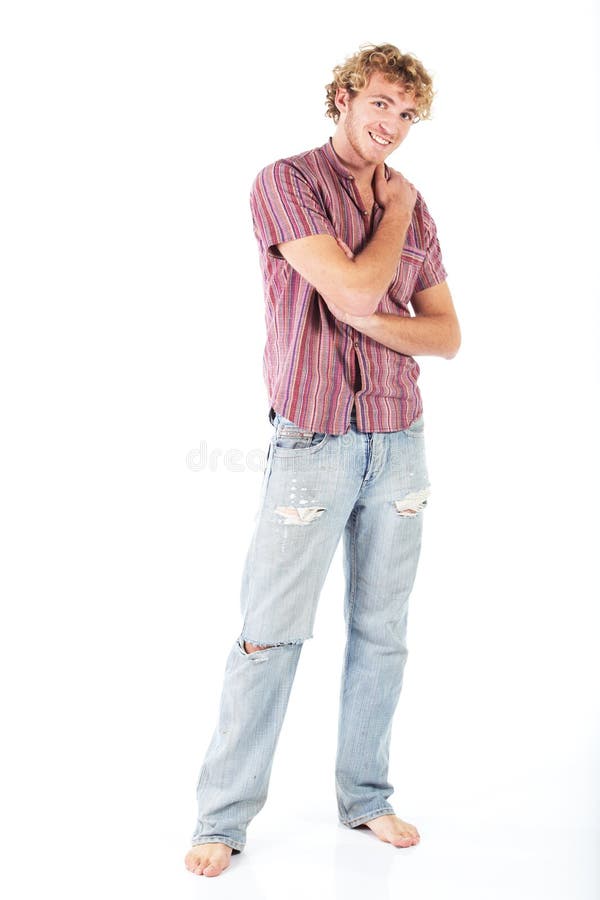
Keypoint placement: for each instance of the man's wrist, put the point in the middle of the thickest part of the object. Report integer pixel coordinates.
(398, 212)
(363, 323)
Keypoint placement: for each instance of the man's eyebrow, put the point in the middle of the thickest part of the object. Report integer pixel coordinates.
(390, 100)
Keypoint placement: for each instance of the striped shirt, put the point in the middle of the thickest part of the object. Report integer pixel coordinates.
(315, 367)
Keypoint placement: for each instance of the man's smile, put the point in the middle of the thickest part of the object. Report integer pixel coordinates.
(383, 142)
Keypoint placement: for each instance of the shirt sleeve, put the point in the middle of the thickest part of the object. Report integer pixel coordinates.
(285, 207)
(432, 271)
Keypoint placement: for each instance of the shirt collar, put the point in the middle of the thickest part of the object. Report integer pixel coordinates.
(337, 164)
(334, 160)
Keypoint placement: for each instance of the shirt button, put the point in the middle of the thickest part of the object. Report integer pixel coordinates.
(356, 343)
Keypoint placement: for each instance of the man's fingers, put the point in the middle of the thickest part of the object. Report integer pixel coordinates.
(345, 248)
(380, 172)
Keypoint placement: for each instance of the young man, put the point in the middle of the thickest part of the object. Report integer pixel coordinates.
(346, 244)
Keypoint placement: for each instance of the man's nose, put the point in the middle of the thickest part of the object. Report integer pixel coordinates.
(386, 129)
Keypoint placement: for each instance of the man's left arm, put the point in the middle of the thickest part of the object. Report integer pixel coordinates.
(432, 331)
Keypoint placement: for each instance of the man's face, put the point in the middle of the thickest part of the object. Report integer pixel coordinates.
(377, 119)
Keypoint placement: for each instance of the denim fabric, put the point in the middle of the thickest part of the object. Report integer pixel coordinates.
(369, 488)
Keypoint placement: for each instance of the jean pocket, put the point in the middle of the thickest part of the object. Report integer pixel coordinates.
(417, 428)
(291, 437)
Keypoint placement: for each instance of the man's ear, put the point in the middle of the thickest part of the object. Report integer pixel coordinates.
(342, 99)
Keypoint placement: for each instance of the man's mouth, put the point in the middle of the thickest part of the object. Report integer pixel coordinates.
(382, 142)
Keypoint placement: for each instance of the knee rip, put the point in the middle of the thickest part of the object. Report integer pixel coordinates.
(299, 515)
(252, 648)
(249, 647)
(413, 503)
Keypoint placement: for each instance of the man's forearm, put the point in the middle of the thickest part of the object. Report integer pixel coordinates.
(377, 262)
(411, 335)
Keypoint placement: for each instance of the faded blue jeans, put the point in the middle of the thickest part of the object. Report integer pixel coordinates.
(370, 488)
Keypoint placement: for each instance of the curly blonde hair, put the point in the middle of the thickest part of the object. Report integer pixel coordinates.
(354, 75)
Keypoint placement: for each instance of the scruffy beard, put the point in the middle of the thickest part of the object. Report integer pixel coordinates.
(358, 138)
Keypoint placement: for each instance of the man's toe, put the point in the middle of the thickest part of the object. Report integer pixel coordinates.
(212, 869)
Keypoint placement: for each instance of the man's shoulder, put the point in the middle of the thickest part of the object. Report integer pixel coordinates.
(421, 211)
(304, 163)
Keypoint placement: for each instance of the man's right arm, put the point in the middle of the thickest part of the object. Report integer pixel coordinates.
(356, 285)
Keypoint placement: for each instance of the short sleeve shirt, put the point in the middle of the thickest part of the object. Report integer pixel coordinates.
(315, 367)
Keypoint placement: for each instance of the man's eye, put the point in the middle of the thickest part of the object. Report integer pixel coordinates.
(380, 102)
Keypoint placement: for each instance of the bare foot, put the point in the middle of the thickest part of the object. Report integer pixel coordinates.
(394, 831)
(208, 859)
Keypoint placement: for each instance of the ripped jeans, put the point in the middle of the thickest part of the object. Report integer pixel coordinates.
(369, 488)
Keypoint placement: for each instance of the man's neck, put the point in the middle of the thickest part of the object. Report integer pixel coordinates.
(363, 172)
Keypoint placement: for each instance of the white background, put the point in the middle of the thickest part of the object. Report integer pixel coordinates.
(132, 335)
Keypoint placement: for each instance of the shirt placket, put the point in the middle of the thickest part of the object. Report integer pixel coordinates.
(367, 223)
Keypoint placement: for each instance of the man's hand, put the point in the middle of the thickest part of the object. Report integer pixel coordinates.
(395, 191)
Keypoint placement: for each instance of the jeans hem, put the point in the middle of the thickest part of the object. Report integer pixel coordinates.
(360, 820)
(220, 839)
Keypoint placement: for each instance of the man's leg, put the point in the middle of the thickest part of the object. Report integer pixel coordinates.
(305, 502)
(382, 543)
